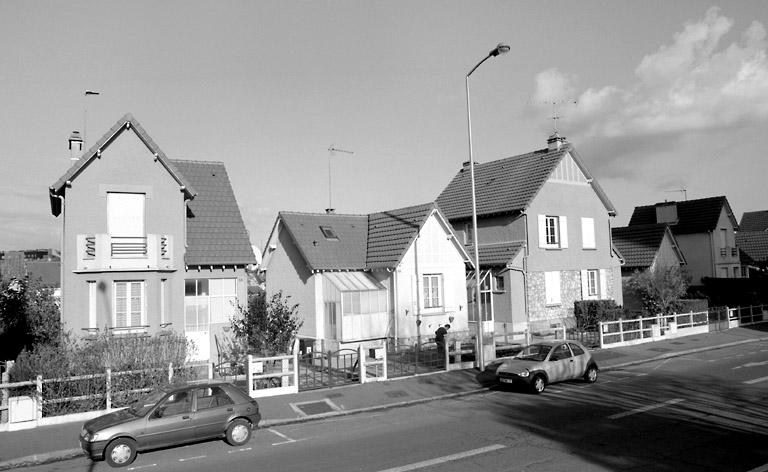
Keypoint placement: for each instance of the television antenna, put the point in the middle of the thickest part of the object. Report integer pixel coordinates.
(332, 150)
(684, 191)
(554, 103)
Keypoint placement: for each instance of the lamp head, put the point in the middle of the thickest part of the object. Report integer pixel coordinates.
(501, 48)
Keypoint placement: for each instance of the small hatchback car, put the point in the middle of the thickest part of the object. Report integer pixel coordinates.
(171, 416)
(543, 363)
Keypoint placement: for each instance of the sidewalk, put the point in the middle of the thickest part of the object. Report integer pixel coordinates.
(60, 442)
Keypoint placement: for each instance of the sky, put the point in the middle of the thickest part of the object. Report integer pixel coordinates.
(657, 97)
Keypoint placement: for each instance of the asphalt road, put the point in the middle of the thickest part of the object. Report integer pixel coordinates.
(703, 412)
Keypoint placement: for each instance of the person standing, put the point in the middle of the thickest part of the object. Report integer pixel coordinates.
(440, 334)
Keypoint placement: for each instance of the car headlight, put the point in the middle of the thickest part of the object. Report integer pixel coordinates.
(92, 437)
(524, 373)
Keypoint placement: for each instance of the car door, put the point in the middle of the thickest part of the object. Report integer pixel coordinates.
(170, 422)
(560, 363)
(579, 360)
(213, 409)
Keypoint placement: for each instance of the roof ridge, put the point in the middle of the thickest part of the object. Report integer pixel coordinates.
(196, 161)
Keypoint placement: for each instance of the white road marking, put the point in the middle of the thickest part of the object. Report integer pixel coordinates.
(242, 449)
(191, 458)
(750, 364)
(645, 408)
(141, 467)
(287, 439)
(754, 381)
(444, 459)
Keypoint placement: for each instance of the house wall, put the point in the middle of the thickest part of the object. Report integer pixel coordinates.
(125, 166)
(698, 251)
(497, 229)
(431, 253)
(287, 271)
(512, 304)
(666, 256)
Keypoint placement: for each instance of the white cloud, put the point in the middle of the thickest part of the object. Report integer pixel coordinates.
(690, 84)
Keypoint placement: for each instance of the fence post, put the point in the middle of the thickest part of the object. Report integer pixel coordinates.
(621, 329)
(361, 356)
(109, 389)
(385, 363)
(170, 372)
(210, 371)
(600, 333)
(248, 373)
(39, 382)
(296, 347)
(4, 399)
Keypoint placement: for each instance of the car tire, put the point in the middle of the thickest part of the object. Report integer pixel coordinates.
(238, 432)
(538, 384)
(590, 375)
(120, 452)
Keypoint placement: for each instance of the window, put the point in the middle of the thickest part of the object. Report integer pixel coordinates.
(177, 404)
(735, 272)
(592, 283)
(723, 237)
(209, 301)
(92, 322)
(577, 351)
(499, 282)
(329, 233)
(129, 304)
(469, 237)
(588, 233)
(433, 290)
(552, 287)
(553, 232)
(560, 352)
(125, 214)
(211, 397)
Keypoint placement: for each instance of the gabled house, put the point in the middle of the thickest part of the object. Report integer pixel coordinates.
(752, 241)
(705, 230)
(363, 279)
(149, 243)
(647, 247)
(544, 236)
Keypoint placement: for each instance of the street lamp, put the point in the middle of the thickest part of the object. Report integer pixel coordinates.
(499, 49)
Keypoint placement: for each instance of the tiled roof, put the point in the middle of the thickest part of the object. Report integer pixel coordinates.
(125, 123)
(694, 216)
(754, 244)
(390, 233)
(216, 234)
(362, 242)
(499, 254)
(507, 185)
(754, 221)
(639, 244)
(346, 252)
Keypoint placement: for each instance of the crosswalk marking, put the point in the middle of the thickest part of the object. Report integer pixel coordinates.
(444, 459)
(754, 381)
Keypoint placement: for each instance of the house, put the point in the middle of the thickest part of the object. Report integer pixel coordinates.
(42, 264)
(363, 279)
(752, 241)
(544, 236)
(705, 230)
(149, 243)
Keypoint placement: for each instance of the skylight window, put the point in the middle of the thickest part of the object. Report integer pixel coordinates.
(329, 233)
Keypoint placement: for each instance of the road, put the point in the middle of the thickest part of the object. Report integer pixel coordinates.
(703, 412)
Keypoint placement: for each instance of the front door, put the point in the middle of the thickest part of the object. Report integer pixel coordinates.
(560, 364)
(170, 422)
(213, 407)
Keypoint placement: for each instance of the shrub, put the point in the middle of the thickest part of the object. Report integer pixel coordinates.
(660, 290)
(267, 326)
(589, 313)
(29, 315)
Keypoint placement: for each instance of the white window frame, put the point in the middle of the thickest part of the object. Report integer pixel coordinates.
(228, 301)
(552, 288)
(553, 231)
(429, 283)
(92, 305)
(588, 233)
(129, 327)
(593, 283)
(120, 202)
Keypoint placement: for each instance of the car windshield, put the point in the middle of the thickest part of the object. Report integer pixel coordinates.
(534, 352)
(143, 405)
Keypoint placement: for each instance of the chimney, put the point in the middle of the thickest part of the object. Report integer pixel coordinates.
(666, 213)
(465, 165)
(75, 146)
(330, 211)
(555, 142)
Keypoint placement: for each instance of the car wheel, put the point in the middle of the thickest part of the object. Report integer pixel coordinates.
(538, 384)
(120, 452)
(591, 374)
(238, 433)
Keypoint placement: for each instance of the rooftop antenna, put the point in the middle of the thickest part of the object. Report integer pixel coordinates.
(555, 116)
(684, 191)
(86, 94)
(332, 149)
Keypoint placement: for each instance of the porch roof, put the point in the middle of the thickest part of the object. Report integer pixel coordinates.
(353, 281)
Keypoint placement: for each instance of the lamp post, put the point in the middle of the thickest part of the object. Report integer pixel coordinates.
(499, 49)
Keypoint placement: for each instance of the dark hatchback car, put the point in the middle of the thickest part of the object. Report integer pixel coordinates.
(171, 416)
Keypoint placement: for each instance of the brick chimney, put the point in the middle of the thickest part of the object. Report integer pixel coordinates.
(555, 142)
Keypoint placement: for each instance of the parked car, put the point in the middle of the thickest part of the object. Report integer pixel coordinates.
(540, 364)
(171, 416)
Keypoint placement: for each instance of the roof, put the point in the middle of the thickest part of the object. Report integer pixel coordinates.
(754, 221)
(361, 242)
(639, 244)
(509, 184)
(499, 254)
(694, 216)
(127, 122)
(754, 244)
(216, 233)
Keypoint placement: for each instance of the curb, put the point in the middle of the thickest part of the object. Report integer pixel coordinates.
(39, 459)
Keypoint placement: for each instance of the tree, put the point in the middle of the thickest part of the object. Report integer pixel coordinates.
(266, 326)
(660, 290)
(29, 316)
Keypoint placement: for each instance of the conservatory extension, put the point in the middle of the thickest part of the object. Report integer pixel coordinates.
(355, 307)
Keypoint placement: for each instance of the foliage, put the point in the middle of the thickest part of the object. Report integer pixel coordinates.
(29, 315)
(267, 326)
(589, 313)
(660, 290)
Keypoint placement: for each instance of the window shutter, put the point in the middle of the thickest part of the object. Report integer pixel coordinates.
(588, 233)
(584, 285)
(603, 284)
(563, 231)
(542, 231)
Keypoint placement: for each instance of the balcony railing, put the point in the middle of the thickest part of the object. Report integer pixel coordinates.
(729, 251)
(101, 252)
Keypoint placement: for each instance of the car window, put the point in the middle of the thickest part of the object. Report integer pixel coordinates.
(577, 350)
(211, 397)
(142, 406)
(560, 352)
(534, 352)
(176, 404)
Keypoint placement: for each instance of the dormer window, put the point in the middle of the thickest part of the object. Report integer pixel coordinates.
(329, 233)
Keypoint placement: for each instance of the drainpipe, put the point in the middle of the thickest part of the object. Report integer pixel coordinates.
(62, 265)
(395, 309)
